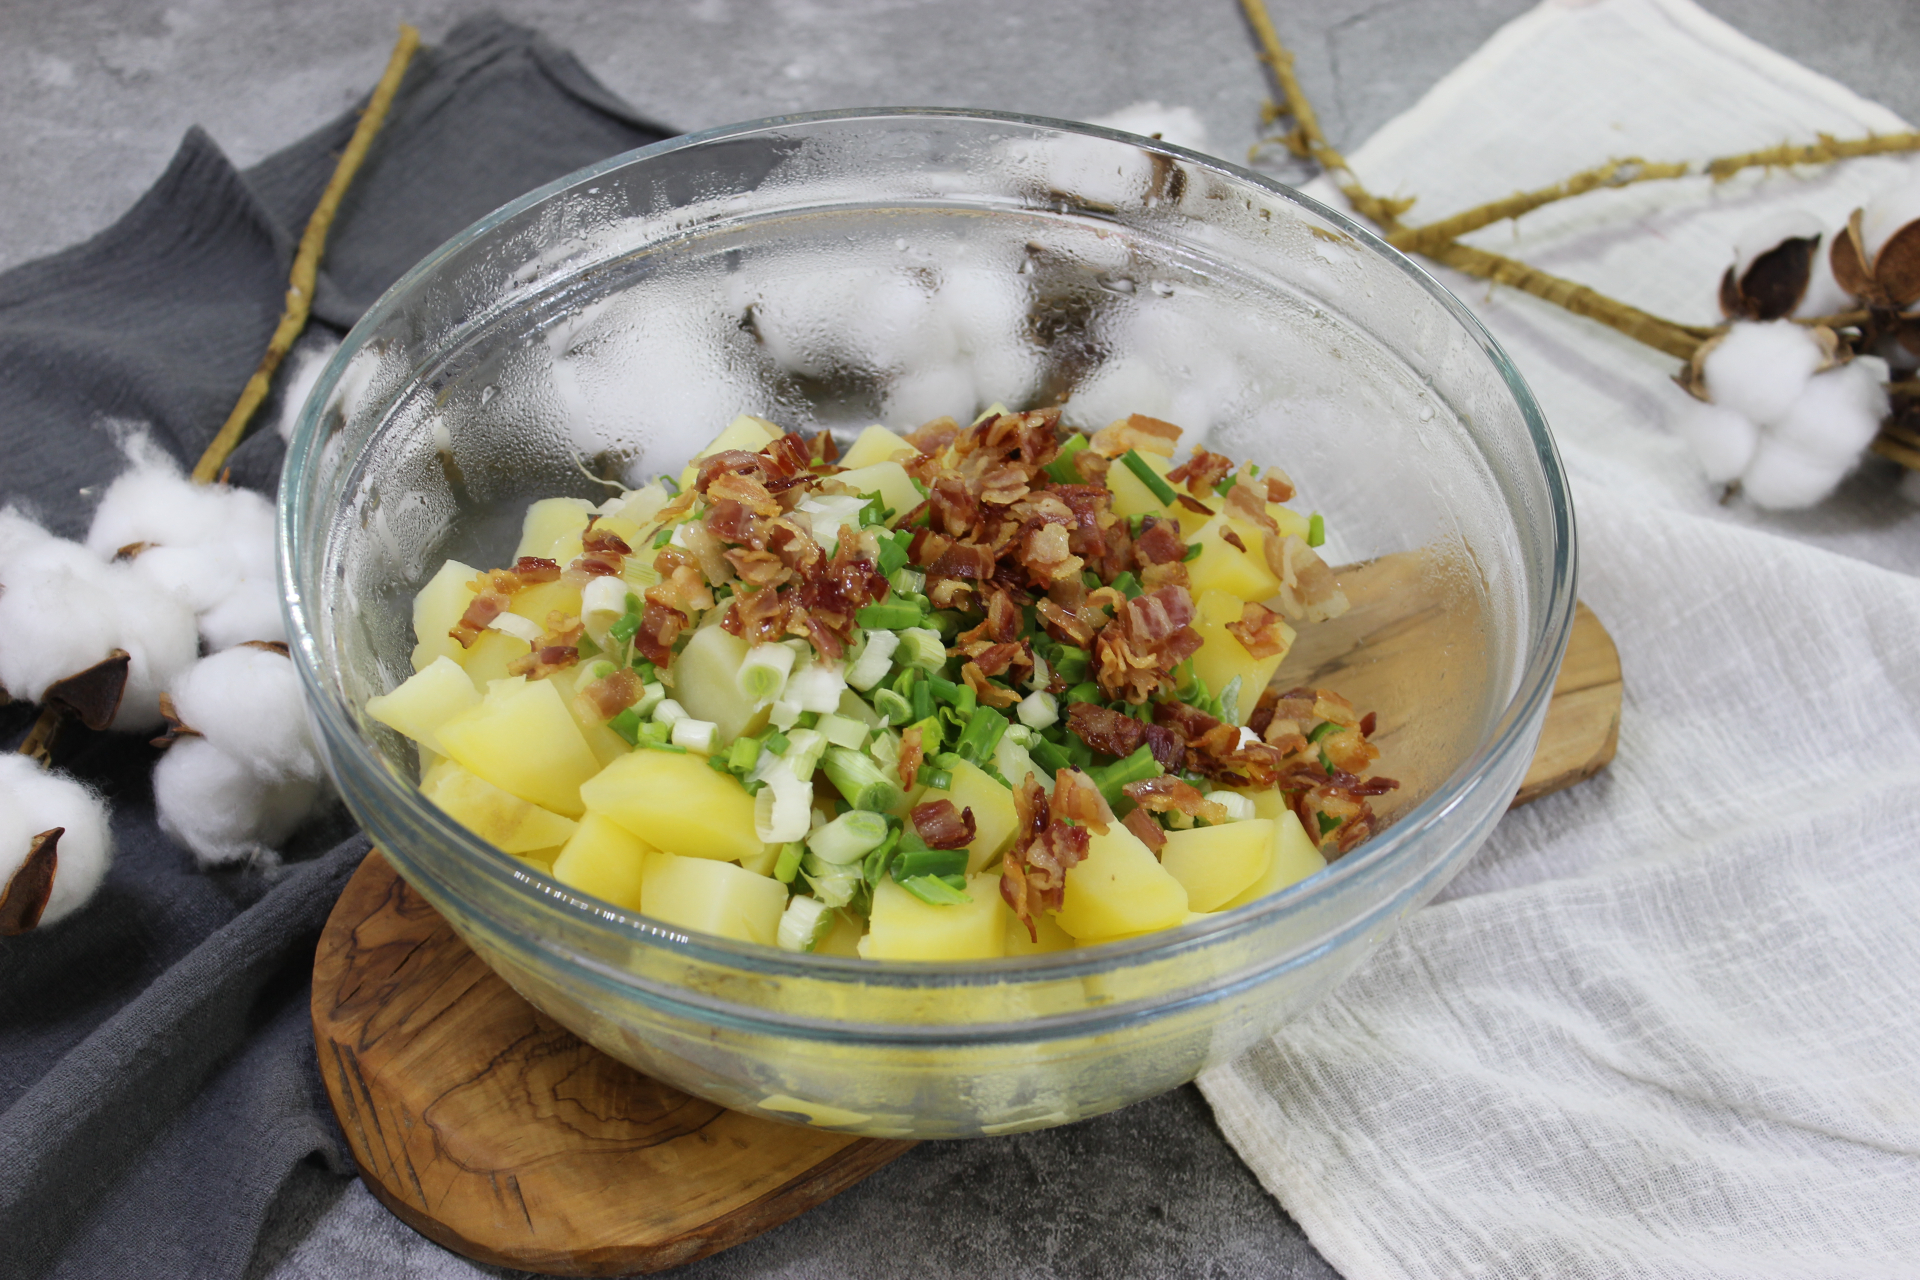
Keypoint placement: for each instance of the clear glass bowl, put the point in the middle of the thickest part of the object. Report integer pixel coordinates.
(837, 269)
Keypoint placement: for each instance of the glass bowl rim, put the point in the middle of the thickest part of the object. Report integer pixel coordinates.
(1535, 686)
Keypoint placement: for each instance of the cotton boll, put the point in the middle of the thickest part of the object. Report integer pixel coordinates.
(247, 702)
(308, 364)
(1758, 370)
(231, 587)
(1824, 296)
(871, 319)
(34, 800)
(1179, 125)
(1839, 413)
(1770, 232)
(1886, 213)
(154, 502)
(1783, 477)
(221, 810)
(1721, 439)
(987, 314)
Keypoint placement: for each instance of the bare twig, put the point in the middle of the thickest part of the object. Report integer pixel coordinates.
(38, 744)
(1827, 150)
(1613, 174)
(306, 262)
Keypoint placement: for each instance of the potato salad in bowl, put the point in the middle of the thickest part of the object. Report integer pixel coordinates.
(966, 692)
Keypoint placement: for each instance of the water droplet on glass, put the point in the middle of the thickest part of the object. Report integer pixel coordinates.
(1426, 413)
(488, 392)
(1162, 288)
(1116, 284)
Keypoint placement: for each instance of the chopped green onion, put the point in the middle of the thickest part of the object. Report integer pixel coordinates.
(1316, 530)
(922, 700)
(623, 628)
(889, 615)
(895, 708)
(946, 760)
(788, 863)
(1127, 585)
(1062, 468)
(907, 581)
(586, 648)
(842, 731)
(1086, 691)
(1038, 710)
(946, 622)
(718, 763)
(831, 883)
(742, 755)
(804, 923)
(1229, 701)
(938, 780)
(695, 735)
(935, 891)
(1327, 822)
(931, 735)
(1070, 663)
(804, 752)
(848, 838)
(929, 862)
(1050, 756)
(983, 731)
(875, 511)
(670, 484)
(627, 725)
(647, 672)
(1226, 485)
(874, 661)
(1160, 489)
(1324, 729)
(876, 864)
(1326, 761)
(1110, 778)
(764, 672)
(860, 779)
(1193, 552)
(922, 647)
(663, 537)
(776, 742)
(893, 552)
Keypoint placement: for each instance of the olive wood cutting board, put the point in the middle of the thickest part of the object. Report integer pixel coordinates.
(490, 1129)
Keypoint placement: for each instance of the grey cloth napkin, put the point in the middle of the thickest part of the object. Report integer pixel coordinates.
(157, 1076)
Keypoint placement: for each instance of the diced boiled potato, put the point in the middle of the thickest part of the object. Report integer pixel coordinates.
(1295, 857)
(606, 745)
(1047, 935)
(1222, 657)
(902, 927)
(605, 860)
(540, 860)
(705, 682)
(425, 701)
(1216, 863)
(676, 803)
(712, 897)
(1120, 887)
(641, 505)
(1102, 984)
(487, 660)
(522, 738)
(536, 602)
(547, 522)
(745, 432)
(994, 818)
(1269, 802)
(842, 940)
(1292, 524)
(890, 479)
(876, 444)
(763, 863)
(499, 817)
(1221, 566)
(1131, 497)
(437, 608)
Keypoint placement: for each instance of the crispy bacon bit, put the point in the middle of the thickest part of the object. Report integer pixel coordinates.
(993, 695)
(601, 542)
(788, 461)
(1047, 554)
(1279, 485)
(1193, 504)
(660, 626)
(1136, 431)
(1033, 876)
(1147, 639)
(1263, 632)
(912, 752)
(543, 660)
(1000, 626)
(481, 611)
(1159, 543)
(684, 590)
(1105, 730)
(1308, 588)
(1149, 832)
(1367, 723)
(1232, 539)
(1063, 625)
(941, 826)
(1091, 467)
(1169, 794)
(611, 694)
(1165, 745)
(933, 437)
(533, 570)
(1201, 472)
(1075, 797)
(963, 560)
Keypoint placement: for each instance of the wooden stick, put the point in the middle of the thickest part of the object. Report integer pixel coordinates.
(38, 744)
(306, 262)
(1827, 150)
(1614, 173)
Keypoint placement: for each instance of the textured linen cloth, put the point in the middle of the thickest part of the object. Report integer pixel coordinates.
(1665, 1023)
(157, 1073)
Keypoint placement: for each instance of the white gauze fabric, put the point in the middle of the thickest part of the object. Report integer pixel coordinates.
(1663, 1025)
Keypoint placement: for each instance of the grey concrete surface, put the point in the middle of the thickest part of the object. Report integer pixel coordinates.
(96, 94)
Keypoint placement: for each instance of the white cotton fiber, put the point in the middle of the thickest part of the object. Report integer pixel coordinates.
(221, 810)
(1783, 477)
(1839, 413)
(62, 610)
(1181, 126)
(247, 702)
(34, 800)
(1721, 439)
(1886, 213)
(298, 383)
(212, 545)
(1824, 296)
(1758, 370)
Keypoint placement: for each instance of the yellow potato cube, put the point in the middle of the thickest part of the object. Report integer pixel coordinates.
(1215, 863)
(522, 739)
(641, 505)
(1270, 803)
(890, 479)
(712, 897)
(1101, 985)
(1292, 524)
(536, 602)
(1295, 857)
(744, 432)
(843, 939)
(901, 927)
(1131, 497)
(876, 444)
(499, 817)
(1222, 657)
(486, 662)
(705, 683)
(1221, 566)
(676, 803)
(605, 860)
(606, 745)
(547, 522)
(994, 818)
(1120, 888)
(425, 701)
(436, 609)
(1047, 935)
